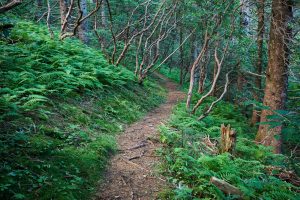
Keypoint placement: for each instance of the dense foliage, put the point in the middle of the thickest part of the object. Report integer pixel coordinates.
(190, 162)
(73, 74)
(60, 109)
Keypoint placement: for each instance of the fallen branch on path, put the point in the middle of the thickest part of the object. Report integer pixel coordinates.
(137, 157)
(142, 144)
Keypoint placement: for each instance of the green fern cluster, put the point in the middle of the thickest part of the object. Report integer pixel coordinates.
(61, 104)
(34, 67)
(190, 165)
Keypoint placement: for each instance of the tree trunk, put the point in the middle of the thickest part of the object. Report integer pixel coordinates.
(39, 7)
(83, 28)
(10, 5)
(203, 73)
(226, 187)
(239, 83)
(245, 15)
(259, 62)
(277, 72)
(228, 139)
(214, 92)
(104, 23)
(193, 68)
(202, 78)
(181, 56)
(63, 10)
(103, 15)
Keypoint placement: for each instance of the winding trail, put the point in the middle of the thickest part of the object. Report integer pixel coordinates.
(132, 173)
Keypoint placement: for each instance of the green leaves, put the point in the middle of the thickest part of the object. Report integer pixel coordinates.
(191, 166)
(36, 67)
(61, 103)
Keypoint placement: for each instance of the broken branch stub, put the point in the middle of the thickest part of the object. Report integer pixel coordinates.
(228, 139)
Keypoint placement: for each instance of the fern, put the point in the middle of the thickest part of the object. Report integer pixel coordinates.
(187, 162)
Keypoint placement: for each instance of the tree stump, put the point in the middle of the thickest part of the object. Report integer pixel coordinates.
(228, 139)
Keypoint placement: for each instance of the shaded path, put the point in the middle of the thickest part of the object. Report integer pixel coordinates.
(131, 174)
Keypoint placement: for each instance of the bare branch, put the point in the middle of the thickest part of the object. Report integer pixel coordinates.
(128, 43)
(165, 60)
(216, 101)
(48, 20)
(10, 6)
(79, 20)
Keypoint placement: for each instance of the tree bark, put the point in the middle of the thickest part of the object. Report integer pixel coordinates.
(182, 67)
(226, 187)
(239, 82)
(228, 139)
(83, 28)
(10, 6)
(39, 7)
(193, 68)
(63, 11)
(214, 91)
(277, 72)
(104, 24)
(203, 73)
(259, 62)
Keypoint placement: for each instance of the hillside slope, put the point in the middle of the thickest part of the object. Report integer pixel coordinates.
(61, 105)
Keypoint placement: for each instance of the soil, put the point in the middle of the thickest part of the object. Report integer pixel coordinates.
(133, 172)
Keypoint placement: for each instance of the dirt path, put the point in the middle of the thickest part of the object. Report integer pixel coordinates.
(132, 173)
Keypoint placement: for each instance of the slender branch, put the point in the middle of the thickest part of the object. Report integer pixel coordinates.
(64, 24)
(10, 6)
(48, 20)
(127, 44)
(165, 60)
(203, 50)
(140, 41)
(79, 20)
(112, 32)
(216, 101)
(164, 20)
(254, 74)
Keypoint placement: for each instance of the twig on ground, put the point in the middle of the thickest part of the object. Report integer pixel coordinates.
(137, 157)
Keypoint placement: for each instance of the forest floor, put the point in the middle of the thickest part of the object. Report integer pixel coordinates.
(133, 172)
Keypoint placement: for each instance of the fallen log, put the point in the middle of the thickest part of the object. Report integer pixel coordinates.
(283, 174)
(225, 187)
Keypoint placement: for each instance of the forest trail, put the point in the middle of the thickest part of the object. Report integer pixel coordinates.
(132, 173)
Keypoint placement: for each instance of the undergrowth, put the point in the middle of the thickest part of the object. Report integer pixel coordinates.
(174, 74)
(61, 105)
(189, 162)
